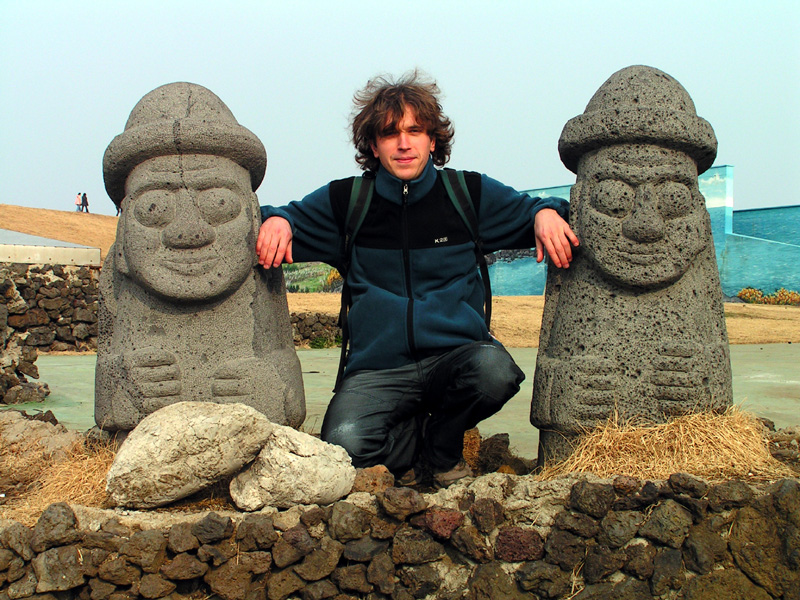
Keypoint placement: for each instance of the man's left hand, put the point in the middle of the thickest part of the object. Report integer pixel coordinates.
(554, 235)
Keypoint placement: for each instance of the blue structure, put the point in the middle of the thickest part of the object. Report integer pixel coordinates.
(758, 248)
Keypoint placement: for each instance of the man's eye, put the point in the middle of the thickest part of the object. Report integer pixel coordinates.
(613, 198)
(218, 205)
(674, 200)
(155, 208)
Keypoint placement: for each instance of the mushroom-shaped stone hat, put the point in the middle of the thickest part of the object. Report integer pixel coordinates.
(180, 118)
(639, 104)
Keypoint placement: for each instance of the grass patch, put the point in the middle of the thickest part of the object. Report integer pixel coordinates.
(307, 277)
(321, 342)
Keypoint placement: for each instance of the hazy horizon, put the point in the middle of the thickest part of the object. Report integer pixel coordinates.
(512, 74)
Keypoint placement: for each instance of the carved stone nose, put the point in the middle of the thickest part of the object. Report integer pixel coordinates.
(188, 229)
(645, 223)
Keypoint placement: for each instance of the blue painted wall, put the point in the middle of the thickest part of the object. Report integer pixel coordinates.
(757, 248)
(758, 263)
(779, 224)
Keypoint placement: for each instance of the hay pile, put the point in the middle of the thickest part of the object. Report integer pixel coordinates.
(714, 446)
(77, 476)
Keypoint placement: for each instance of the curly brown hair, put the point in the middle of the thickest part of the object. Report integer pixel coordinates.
(379, 106)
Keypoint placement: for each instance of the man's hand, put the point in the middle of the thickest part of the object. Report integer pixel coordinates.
(554, 235)
(274, 244)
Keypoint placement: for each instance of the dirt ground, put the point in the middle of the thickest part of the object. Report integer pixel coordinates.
(515, 319)
(97, 231)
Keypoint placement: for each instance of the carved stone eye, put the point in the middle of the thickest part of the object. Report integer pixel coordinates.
(154, 208)
(674, 200)
(218, 205)
(613, 198)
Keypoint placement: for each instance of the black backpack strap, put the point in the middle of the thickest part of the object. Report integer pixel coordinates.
(360, 198)
(456, 185)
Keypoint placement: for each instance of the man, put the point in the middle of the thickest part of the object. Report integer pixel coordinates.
(422, 367)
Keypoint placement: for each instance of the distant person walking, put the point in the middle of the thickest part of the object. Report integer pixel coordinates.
(78, 203)
(84, 203)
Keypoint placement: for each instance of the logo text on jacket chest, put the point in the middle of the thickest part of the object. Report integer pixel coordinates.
(440, 240)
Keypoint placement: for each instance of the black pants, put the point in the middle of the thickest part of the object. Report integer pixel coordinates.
(392, 416)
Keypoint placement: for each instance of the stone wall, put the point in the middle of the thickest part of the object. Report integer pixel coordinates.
(316, 329)
(54, 307)
(42, 308)
(500, 537)
(51, 307)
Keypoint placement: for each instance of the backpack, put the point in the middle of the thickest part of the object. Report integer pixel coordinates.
(360, 198)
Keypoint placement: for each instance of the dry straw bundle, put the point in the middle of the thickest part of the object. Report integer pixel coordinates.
(78, 477)
(714, 446)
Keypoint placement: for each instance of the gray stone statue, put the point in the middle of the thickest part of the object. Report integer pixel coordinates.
(636, 325)
(186, 314)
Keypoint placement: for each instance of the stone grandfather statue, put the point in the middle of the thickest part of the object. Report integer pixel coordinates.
(636, 324)
(185, 312)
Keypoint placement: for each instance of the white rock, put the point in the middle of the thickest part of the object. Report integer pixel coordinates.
(55, 441)
(286, 519)
(294, 468)
(364, 501)
(184, 448)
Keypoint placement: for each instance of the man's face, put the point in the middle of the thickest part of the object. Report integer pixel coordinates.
(189, 226)
(641, 216)
(404, 149)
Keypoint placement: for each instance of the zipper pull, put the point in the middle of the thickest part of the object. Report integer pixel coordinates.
(405, 193)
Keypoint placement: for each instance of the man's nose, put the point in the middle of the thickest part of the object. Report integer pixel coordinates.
(645, 223)
(404, 140)
(188, 229)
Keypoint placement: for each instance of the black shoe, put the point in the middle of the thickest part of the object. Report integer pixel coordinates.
(447, 478)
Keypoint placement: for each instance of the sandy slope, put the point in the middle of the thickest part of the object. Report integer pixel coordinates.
(97, 231)
(515, 320)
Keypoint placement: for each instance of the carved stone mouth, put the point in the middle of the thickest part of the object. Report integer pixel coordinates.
(647, 257)
(191, 265)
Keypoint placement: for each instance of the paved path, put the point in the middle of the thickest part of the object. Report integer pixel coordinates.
(766, 381)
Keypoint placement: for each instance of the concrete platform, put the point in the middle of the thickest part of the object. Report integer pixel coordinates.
(766, 381)
(18, 247)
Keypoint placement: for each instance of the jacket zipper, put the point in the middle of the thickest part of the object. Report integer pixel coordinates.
(407, 267)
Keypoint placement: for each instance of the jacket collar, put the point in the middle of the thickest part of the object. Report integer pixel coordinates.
(391, 188)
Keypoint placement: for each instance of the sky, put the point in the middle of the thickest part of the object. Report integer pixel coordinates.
(512, 74)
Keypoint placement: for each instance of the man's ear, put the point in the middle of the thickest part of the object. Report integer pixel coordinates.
(433, 145)
(374, 149)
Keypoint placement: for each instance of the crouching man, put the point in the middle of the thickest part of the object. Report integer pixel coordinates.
(422, 367)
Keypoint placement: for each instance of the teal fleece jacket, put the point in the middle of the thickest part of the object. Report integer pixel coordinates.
(416, 289)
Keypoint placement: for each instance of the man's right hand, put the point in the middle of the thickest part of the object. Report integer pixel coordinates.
(274, 244)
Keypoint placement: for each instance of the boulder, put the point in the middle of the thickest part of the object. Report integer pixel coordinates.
(26, 392)
(294, 468)
(184, 448)
(36, 436)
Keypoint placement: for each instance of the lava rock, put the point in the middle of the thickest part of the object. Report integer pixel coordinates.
(514, 544)
(668, 524)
